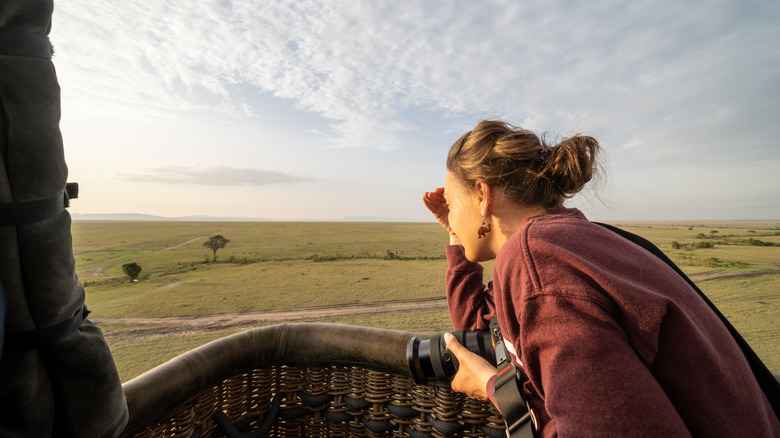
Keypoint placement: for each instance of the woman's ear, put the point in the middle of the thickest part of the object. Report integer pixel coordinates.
(484, 197)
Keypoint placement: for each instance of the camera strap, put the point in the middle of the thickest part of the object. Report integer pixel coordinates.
(519, 417)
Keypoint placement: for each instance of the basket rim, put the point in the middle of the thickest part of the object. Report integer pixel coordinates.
(166, 390)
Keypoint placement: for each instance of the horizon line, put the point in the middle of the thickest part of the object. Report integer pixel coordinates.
(142, 217)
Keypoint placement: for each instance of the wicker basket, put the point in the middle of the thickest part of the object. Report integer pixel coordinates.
(301, 380)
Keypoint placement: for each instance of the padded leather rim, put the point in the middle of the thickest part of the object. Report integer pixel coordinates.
(166, 390)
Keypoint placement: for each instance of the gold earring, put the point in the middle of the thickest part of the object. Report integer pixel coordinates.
(483, 230)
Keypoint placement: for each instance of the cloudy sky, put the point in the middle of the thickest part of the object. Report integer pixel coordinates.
(334, 109)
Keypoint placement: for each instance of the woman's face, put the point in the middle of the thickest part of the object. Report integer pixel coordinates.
(464, 215)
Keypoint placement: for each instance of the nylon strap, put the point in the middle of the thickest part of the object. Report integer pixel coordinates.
(46, 336)
(17, 42)
(34, 211)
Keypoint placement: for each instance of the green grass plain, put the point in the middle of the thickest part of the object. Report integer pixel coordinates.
(270, 266)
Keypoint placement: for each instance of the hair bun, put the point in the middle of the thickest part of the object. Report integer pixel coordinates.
(572, 164)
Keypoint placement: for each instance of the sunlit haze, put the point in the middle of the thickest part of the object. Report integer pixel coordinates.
(336, 110)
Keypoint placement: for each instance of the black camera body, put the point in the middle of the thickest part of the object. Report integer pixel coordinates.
(430, 359)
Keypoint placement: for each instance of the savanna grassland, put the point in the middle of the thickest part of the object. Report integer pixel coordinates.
(388, 275)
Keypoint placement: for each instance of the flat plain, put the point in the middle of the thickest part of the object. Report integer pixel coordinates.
(388, 275)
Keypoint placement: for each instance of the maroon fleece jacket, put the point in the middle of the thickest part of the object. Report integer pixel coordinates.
(608, 339)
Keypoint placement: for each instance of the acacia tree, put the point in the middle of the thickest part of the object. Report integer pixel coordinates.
(216, 242)
(132, 270)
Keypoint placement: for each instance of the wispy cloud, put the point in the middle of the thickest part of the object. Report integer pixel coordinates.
(216, 175)
(630, 73)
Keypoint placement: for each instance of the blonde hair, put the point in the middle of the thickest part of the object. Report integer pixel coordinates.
(529, 170)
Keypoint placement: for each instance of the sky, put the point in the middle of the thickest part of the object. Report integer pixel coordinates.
(333, 110)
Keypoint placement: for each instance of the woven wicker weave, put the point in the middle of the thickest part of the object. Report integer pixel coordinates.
(332, 381)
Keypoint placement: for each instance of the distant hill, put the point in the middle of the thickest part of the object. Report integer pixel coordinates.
(376, 219)
(149, 217)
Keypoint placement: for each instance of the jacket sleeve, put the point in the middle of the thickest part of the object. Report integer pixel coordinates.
(470, 302)
(592, 382)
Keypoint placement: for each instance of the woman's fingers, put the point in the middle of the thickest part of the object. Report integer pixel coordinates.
(473, 370)
(434, 200)
(436, 203)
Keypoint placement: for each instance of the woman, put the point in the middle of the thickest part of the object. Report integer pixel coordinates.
(608, 340)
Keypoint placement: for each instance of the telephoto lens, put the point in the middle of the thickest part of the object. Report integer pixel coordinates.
(430, 359)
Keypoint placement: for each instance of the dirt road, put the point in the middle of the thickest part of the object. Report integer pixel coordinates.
(208, 323)
(136, 328)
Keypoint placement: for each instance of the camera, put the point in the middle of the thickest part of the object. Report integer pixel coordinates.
(430, 359)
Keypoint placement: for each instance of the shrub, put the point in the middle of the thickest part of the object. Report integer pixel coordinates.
(718, 263)
(693, 245)
(323, 258)
(132, 270)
